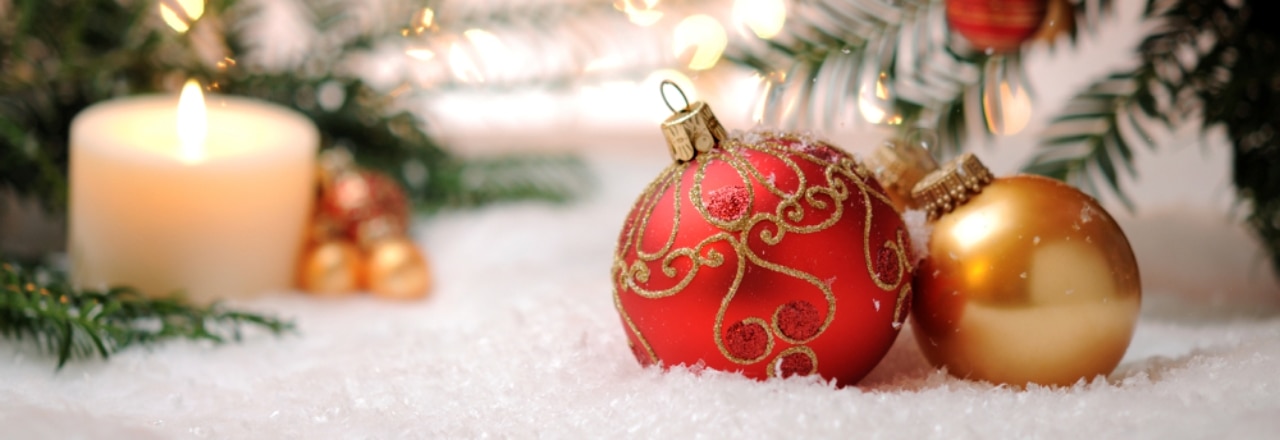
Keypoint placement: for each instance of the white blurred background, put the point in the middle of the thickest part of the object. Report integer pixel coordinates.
(1186, 228)
(583, 75)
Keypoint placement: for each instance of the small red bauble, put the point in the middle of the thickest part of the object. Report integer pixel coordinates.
(996, 25)
(769, 254)
(365, 206)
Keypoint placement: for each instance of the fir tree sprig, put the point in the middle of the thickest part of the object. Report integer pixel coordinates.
(1088, 138)
(40, 306)
(1209, 58)
(57, 57)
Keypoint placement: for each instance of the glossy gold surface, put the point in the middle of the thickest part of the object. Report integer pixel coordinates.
(330, 268)
(1029, 281)
(396, 269)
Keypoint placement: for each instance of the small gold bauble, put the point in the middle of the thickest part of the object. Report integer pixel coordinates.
(1027, 280)
(330, 268)
(396, 269)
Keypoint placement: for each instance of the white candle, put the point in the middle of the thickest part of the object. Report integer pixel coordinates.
(166, 208)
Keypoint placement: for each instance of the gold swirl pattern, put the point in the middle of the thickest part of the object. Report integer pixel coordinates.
(807, 204)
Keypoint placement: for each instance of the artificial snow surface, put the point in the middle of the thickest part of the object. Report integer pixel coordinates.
(520, 339)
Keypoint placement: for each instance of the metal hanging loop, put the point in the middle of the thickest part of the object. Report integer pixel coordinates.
(662, 89)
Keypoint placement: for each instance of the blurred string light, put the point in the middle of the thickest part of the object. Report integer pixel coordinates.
(420, 53)
(180, 14)
(868, 98)
(763, 17)
(424, 19)
(1006, 101)
(520, 43)
(704, 37)
(1011, 110)
(506, 43)
(642, 12)
(495, 56)
(463, 65)
(1008, 110)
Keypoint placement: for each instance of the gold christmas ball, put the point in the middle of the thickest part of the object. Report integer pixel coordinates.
(396, 269)
(330, 268)
(1027, 280)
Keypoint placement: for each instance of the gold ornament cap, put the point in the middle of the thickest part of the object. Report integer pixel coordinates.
(943, 190)
(898, 165)
(692, 129)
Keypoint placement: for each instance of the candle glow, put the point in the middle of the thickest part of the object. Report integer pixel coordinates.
(168, 194)
(193, 125)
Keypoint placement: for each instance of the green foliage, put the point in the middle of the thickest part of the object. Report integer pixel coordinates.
(394, 143)
(59, 56)
(56, 58)
(1087, 139)
(42, 307)
(1213, 58)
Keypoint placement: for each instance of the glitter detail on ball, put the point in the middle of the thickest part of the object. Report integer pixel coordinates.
(799, 320)
(795, 364)
(746, 340)
(728, 203)
(887, 264)
(824, 152)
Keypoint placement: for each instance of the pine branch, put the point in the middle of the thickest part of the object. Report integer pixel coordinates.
(39, 305)
(1214, 58)
(1087, 137)
(930, 74)
(514, 177)
(53, 65)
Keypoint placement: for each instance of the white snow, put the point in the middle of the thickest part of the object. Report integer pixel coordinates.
(520, 339)
(919, 229)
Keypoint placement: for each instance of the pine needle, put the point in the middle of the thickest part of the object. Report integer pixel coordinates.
(38, 305)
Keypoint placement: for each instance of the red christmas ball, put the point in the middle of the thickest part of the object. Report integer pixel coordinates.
(365, 206)
(996, 25)
(771, 254)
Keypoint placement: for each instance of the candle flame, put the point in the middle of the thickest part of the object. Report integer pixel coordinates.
(192, 122)
(180, 14)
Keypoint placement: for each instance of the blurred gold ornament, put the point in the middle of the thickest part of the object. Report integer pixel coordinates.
(396, 269)
(330, 268)
(1027, 280)
(1059, 19)
(898, 165)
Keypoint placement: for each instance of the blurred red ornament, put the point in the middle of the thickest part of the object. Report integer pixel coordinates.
(365, 206)
(997, 26)
(359, 235)
(771, 254)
